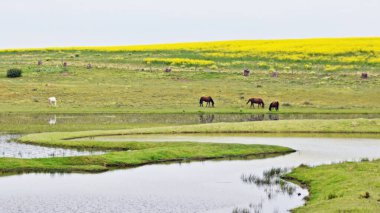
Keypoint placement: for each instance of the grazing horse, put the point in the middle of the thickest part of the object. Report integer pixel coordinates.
(275, 105)
(52, 101)
(208, 100)
(257, 101)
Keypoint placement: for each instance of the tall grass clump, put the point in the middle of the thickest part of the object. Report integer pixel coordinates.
(14, 73)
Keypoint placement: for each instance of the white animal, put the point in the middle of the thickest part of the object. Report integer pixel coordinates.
(52, 101)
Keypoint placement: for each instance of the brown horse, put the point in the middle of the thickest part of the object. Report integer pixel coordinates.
(275, 105)
(257, 101)
(207, 99)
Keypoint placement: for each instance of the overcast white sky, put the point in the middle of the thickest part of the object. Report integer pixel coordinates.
(42, 23)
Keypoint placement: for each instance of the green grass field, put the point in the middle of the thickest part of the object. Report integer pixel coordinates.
(122, 81)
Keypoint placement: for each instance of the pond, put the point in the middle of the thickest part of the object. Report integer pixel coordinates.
(11, 149)
(209, 186)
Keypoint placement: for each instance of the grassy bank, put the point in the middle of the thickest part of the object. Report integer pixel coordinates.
(344, 126)
(139, 153)
(341, 187)
(152, 152)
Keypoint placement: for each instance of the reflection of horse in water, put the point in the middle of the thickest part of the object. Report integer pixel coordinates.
(206, 118)
(52, 120)
(274, 117)
(208, 100)
(257, 101)
(257, 117)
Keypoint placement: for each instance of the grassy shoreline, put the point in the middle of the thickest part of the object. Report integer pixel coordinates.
(151, 152)
(140, 153)
(340, 187)
(367, 126)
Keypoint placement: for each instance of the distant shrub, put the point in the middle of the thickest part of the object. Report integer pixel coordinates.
(366, 195)
(307, 103)
(331, 196)
(308, 66)
(213, 67)
(14, 73)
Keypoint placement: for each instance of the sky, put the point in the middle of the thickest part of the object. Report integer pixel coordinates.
(49, 23)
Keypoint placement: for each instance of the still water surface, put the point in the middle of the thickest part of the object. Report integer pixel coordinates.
(10, 149)
(209, 186)
(80, 119)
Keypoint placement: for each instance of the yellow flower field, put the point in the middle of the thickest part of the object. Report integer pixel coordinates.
(329, 54)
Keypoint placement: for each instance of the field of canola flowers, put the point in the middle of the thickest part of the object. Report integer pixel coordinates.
(325, 54)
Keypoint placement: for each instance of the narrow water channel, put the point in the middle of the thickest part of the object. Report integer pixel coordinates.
(209, 186)
(11, 149)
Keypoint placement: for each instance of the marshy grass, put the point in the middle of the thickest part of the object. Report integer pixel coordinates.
(271, 182)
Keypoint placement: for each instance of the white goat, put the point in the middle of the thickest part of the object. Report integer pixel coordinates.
(52, 101)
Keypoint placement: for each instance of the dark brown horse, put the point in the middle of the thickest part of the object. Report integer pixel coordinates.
(207, 99)
(275, 105)
(257, 101)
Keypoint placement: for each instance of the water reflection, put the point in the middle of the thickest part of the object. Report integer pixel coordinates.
(106, 119)
(274, 117)
(11, 149)
(256, 117)
(52, 120)
(208, 118)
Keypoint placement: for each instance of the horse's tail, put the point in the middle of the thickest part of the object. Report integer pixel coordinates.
(200, 100)
(263, 104)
